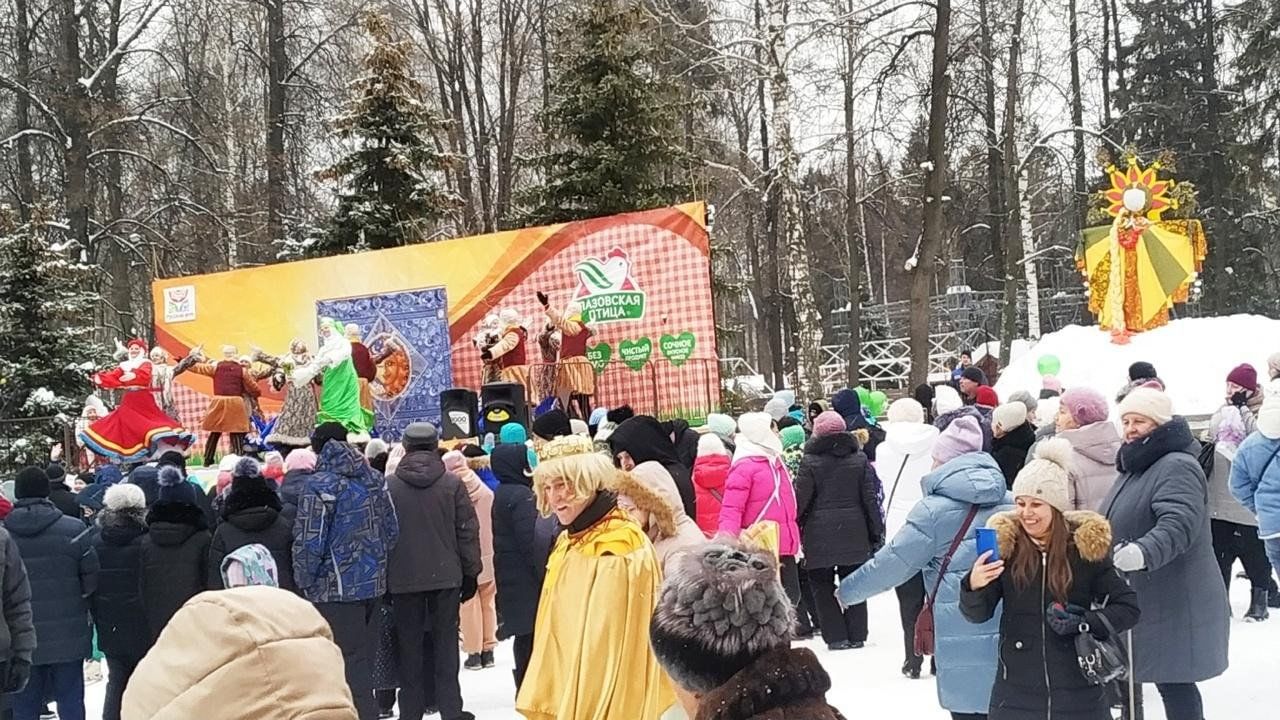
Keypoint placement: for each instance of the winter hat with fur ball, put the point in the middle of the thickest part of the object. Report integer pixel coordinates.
(174, 488)
(720, 607)
(1045, 477)
(961, 437)
(1085, 405)
(711, 444)
(906, 410)
(1148, 402)
(123, 496)
(1009, 416)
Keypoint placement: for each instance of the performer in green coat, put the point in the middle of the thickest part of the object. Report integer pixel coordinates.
(340, 394)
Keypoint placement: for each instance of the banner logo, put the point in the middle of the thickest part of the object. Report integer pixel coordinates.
(607, 290)
(180, 304)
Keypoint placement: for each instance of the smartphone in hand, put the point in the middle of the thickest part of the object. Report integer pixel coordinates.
(987, 542)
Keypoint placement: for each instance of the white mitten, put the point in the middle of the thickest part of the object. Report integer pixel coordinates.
(1129, 558)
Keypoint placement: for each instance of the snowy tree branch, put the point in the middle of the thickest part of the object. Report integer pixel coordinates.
(112, 57)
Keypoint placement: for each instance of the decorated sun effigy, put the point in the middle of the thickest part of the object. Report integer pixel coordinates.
(1150, 255)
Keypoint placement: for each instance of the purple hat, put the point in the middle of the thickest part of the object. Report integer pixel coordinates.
(1244, 376)
(828, 423)
(961, 437)
(1086, 405)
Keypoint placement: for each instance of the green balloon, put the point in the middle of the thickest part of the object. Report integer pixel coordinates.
(864, 396)
(878, 399)
(1048, 364)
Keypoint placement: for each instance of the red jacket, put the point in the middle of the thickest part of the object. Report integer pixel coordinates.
(709, 473)
(362, 359)
(517, 356)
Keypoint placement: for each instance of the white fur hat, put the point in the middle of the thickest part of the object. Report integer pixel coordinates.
(946, 399)
(906, 410)
(1269, 418)
(123, 496)
(1045, 478)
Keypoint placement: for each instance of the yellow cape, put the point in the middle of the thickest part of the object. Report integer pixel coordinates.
(591, 656)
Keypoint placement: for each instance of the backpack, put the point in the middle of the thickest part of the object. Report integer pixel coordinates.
(1207, 452)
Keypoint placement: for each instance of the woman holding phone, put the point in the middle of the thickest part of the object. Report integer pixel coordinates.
(1055, 576)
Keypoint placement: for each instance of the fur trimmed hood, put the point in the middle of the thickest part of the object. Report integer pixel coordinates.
(647, 499)
(1090, 532)
(478, 463)
(650, 494)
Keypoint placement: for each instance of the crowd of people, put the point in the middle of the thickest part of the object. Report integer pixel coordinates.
(647, 569)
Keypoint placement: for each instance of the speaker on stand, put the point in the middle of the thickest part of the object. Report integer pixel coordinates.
(502, 403)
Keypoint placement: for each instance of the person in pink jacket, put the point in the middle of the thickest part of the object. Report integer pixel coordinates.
(479, 615)
(759, 488)
(710, 470)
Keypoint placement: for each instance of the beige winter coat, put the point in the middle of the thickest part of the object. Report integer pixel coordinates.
(1093, 463)
(649, 493)
(252, 653)
(482, 499)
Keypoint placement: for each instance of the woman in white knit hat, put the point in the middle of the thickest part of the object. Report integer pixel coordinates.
(1054, 566)
(1159, 514)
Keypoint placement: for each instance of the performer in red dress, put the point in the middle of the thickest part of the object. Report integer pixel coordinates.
(137, 429)
(510, 353)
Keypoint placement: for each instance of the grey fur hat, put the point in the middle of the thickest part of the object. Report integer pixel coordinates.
(720, 608)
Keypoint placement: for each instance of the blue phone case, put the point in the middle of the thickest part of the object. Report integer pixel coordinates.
(987, 541)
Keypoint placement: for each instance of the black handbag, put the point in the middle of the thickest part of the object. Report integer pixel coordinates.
(1101, 661)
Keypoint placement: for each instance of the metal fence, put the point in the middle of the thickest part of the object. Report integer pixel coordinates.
(660, 388)
(27, 441)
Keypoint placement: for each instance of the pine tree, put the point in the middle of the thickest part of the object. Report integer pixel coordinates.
(387, 189)
(612, 126)
(46, 322)
(1176, 103)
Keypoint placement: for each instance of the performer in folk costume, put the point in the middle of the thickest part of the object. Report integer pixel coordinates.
(591, 654)
(94, 410)
(486, 336)
(575, 378)
(365, 365)
(297, 418)
(510, 352)
(544, 375)
(228, 412)
(340, 394)
(137, 428)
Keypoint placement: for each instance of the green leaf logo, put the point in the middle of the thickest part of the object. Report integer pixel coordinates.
(593, 274)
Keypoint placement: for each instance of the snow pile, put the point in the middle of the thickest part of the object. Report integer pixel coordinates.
(1192, 356)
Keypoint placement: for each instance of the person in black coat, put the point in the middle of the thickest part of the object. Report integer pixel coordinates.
(251, 514)
(17, 632)
(642, 439)
(838, 510)
(175, 550)
(118, 606)
(847, 403)
(60, 493)
(63, 570)
(1044, 607)
(1012, 438)
(298, 467)
(149, 479)
(517, 568)
(685, 439)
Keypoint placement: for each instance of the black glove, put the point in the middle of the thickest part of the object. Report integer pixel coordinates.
(1240, 399)
(1066, 621)
(16, 676)
(469, 587)
(486, 354)
(542, 298)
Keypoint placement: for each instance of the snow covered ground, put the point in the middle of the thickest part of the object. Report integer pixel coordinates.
(1192, 356)
(866, 683)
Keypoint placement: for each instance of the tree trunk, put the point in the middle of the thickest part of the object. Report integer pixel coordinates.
(1105, 64)
(935, 186)
(995, 162)
(1122, 93)
(25, 179)
(854, 239)
(771, 300)
(1079, 189)
(808, 327)
(1028, 259)
(277, 68)
(1013, 207)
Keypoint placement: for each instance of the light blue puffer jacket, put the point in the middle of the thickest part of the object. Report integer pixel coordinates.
(967, 654)
(1258, 492)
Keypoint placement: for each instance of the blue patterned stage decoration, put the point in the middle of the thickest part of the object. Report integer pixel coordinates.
(410, 381)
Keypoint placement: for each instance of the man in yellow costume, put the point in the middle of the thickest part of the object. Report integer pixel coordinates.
(591, 655)
(1141, 264)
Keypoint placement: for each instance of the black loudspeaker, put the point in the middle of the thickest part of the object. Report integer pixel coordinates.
(502, 403)
(459, 413)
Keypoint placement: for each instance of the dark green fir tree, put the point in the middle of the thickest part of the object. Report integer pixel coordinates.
(1176, 103)
(46, 328)
(612, 127)
(389, 192)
